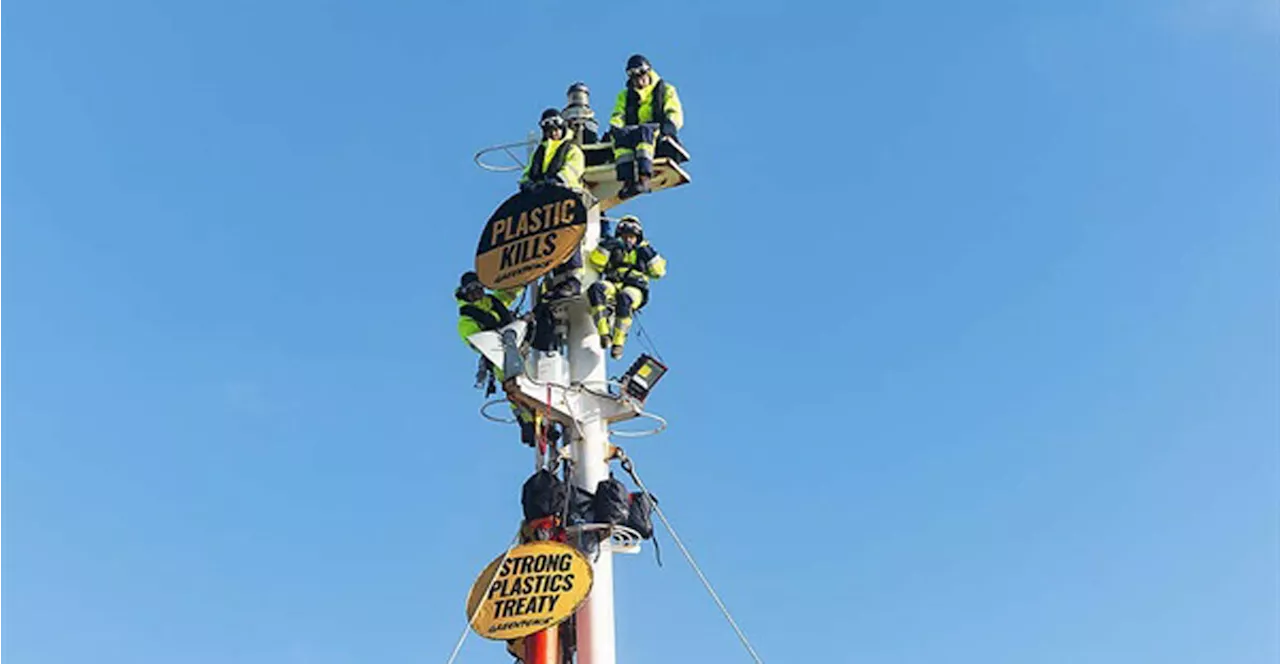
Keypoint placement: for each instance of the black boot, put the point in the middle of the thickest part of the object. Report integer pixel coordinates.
(528, 433)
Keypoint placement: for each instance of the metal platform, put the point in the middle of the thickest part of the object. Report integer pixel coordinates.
(601, 179)
(570, 402)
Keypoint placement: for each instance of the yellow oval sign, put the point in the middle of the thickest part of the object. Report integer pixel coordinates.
(539, 585)
(529, 234)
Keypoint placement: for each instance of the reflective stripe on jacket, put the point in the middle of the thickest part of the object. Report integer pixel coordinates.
(631, 267)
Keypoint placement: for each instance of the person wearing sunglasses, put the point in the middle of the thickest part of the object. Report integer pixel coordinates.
(626, 263)
(646, 110)
(557, 160)
(480, 310)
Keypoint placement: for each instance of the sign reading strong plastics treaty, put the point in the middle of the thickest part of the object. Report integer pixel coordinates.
(538, 585)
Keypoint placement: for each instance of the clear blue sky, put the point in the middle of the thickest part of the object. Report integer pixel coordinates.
(972, 318)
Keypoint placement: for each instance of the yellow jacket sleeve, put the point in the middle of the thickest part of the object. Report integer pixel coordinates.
(506, 297)
(671, 105)
(657, 267)
(619, 109)
(599, 259)
(467, 326)
(575, 164)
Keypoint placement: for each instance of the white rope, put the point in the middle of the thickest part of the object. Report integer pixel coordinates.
(457, 648)
(627, 466)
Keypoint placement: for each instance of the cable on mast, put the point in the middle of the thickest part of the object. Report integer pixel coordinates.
(627, 466)
(457, 647)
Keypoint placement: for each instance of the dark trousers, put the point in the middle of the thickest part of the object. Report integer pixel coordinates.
(633, 148)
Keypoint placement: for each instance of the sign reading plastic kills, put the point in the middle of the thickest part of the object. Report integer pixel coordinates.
(529, 234)
(539, 585)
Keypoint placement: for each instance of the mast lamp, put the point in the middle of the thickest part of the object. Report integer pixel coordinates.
(642, 377)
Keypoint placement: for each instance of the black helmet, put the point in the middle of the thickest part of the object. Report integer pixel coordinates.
(637, 64)
(629, 225)
(470, 280)
(551, 118)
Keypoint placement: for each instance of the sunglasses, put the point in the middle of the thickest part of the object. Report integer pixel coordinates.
(637, 71)
(549, 123)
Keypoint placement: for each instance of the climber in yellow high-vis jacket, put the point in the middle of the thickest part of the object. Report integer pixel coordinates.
(481, 311)
(557, 159)
(646, 110)
(626, 264)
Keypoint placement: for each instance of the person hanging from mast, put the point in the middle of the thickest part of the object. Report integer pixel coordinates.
(626, 264)
(557, 159)
(480, 311)
(645, 111)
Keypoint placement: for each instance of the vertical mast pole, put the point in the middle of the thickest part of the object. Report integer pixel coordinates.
(587, 367)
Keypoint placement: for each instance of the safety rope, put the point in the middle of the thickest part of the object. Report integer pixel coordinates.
(457, 647)
(627, 466)
(645, 339)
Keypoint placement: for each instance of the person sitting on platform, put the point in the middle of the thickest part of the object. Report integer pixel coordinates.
(625, 265)
(557, 159)
(647, 110)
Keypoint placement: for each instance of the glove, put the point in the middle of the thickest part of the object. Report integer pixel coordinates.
(668, 129)
(527, 186)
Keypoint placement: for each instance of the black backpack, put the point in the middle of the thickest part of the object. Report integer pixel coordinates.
(580, 507)
(640, 514)
(611, 502)
(543, 495)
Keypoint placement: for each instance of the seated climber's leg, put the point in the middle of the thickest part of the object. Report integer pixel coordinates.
(644, 155)
(599, 295)
(624, 153)
(628, 298)
(633, 154)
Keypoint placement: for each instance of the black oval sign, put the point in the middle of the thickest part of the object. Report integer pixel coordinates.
(529, 234)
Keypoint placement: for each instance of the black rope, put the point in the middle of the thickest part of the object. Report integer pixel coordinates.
(646, 339)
